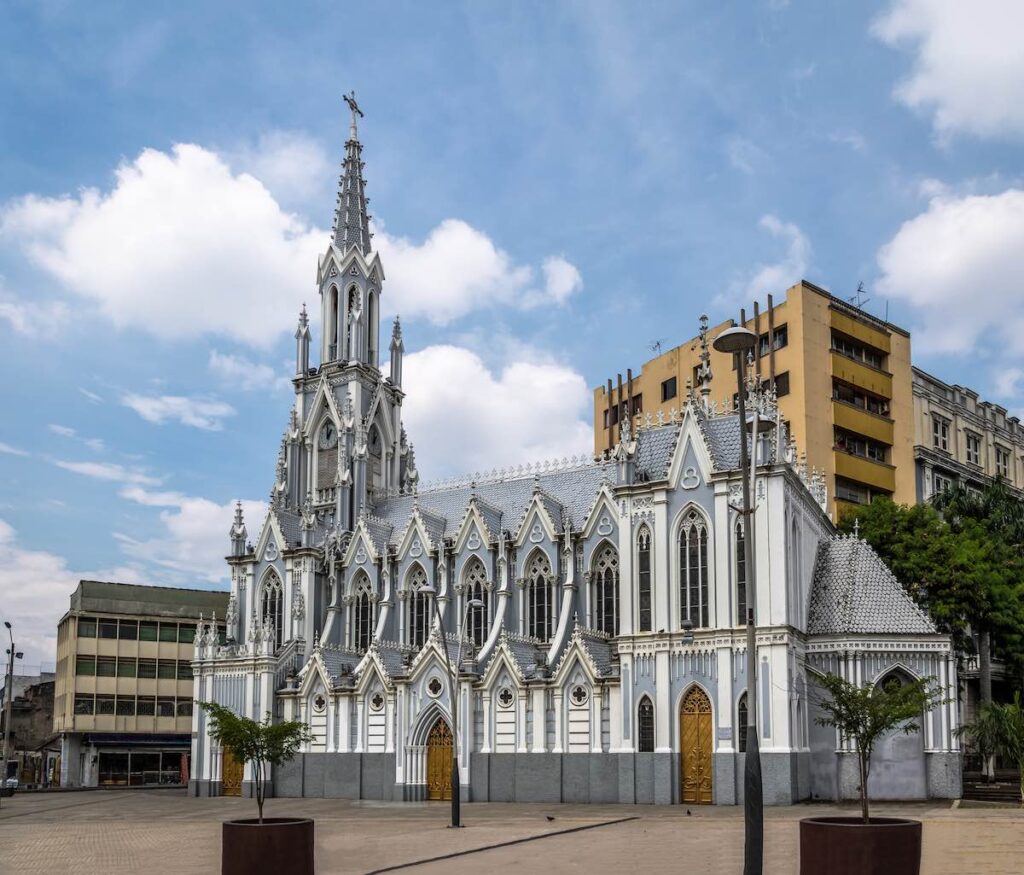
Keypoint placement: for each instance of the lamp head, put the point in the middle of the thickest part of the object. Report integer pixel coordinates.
(735, 339)
(7, 624)
(428, 588)
(474, 603)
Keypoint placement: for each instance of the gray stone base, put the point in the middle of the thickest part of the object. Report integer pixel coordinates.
(945, 775)
(198, 788)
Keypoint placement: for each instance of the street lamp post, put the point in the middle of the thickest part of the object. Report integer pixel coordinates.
(12, 654)
(739, 341)
(453, 680)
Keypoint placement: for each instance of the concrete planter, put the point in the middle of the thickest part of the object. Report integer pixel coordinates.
(279, 844)
(848, 846)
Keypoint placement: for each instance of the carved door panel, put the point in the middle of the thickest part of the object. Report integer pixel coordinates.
(231, 774)
(439, 762)
(696, 742)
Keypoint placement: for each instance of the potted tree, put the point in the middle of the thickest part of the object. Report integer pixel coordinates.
(866, 845)
(262, 845)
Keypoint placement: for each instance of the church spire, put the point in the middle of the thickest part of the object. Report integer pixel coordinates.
(351, 221)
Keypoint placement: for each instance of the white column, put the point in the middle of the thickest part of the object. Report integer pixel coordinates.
(344, 728)
(540, 729)
(595, 719)
(486, 746)
(726, 701)
(660, 590)
(558, 722)
(615, 718)
(360, 725)
(521, 722)
(663, 707)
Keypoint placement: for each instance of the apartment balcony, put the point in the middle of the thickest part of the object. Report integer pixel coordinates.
(860, 421)
(878, 475)
(861, 375)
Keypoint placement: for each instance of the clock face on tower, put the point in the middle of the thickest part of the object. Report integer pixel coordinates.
(328, 436)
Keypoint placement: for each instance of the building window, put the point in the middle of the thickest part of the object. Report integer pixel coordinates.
(645, 726)
(86, 628)
(854, 349)
(668, 389)
(782, 384)
(859, 398)
(763, 345)
(1002, 462)
(148, 631)
(146, 706)
(941, 483)
(638, 404)
(105, 705)
(187, 634)
(128, 630)
(84, 704)
(973, 442)
(108, 628)
(940, 433)
(741, 724)
(538, 597)
(780, 337)
(362, 616)
(643, 566)
(166, 669)
(693, 570)
(184, 670)
(147, 668)
(857, 445)
(271, 610)
(125, 706)
(165, 707)
(476, 588)
(605, 591)
(126, 668)
(85, 666)
(741, 574)
(106, 666)
(419, 607)
(856, 493)
(184, 707)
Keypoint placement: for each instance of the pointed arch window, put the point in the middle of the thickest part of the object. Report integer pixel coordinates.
(476, 588)
(420, 607)
(741, 574)
(645, 726)
(352, 336)
(539, 583)
(362, 615)
(741, 724)
(604, 591)
(271, 606)
(332, 324)
(694, 570)
(643, 578)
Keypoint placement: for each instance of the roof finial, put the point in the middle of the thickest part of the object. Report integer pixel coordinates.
(704, 369)
(856, 528)
(350, 99)
(351, 221)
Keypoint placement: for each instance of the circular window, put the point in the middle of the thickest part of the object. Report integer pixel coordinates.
(506, 698)
(319, 702)
(434, 687)
(376, 702)
(579, 695)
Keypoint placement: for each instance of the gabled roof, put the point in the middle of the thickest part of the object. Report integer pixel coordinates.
(855, 592)
(526, 653)
(654, 448)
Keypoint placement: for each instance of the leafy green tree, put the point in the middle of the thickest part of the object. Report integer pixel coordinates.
(864, 714)
(999, 728)
(262, 744)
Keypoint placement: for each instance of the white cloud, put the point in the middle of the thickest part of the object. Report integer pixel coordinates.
(744, 154)
(458, 409)
(36, 319)
(192, 547)
(968, 65)
(775, 276)
(109, 471)
(293, 165)
(184, 246)
(204, 413)
(95, 444)
(239, 372)
(62, 430)
(181, 246)
(960, 264)
(92, 396)
(1009, 382)
(12, 451)
(458, 269)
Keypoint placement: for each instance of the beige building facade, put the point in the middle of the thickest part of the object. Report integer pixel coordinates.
(843, 382)
(962, 439)
(123, 692)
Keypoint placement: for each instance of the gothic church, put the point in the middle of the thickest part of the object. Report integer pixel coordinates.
(593, 607)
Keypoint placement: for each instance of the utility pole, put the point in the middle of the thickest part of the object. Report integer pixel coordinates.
(8, 697)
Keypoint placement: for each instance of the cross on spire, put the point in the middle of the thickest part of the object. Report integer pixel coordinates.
(351, 220)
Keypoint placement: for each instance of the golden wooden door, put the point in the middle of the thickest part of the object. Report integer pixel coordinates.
(439, 762)
(231, 774)
(695, 733)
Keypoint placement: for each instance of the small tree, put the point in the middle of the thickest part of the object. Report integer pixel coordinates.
(999, 728)
(262, 744)
(864, 714)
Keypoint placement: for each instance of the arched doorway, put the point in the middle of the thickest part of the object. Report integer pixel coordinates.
(231, 774)
(439, 761)
(695, 746)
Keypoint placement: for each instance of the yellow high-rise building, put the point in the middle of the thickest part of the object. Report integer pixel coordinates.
(843, 380)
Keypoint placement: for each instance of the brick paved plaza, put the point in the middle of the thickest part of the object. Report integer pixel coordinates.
(163, 831)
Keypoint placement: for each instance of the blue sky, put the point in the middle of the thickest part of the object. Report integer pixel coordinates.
(555, 186)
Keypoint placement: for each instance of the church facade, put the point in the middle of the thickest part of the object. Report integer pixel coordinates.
(592, 607)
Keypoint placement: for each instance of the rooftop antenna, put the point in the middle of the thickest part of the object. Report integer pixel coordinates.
(858, 300)
(655, 346)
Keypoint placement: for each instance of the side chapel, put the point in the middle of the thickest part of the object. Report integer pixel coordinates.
(600, 601)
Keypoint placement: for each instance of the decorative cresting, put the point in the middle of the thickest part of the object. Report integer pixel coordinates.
(694, 569)
(539, 597)
(696, 743)
(439, 761)
(604, 591)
